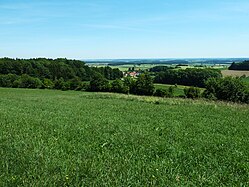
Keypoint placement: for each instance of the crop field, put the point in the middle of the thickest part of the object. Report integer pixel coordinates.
(234, 73)
(137, 67)
(56, 138)
(143, 67)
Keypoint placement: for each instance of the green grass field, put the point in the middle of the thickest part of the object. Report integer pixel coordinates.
(178, 90)
(246, 79)
(56, 138)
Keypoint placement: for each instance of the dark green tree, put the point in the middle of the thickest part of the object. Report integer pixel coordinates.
(119, 86)
(99, 84)
(144, 85)
(227, 89)
(192, 92)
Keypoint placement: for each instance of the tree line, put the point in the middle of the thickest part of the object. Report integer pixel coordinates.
(187, 77)
(55, 69)
(66, 74)
(240, 66)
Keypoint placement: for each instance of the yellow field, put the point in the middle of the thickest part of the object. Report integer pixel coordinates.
(233, 73)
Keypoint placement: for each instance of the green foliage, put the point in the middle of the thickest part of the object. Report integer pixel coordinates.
(109, 73)
(188, 77)
(59, 84)
(227, 89)
(239, 66)
(99, 84)
(130, 83)
(55, 69)
(178, 90)
(8, 80)
(25, 81)
(54, 138)
(160, 68)
(171, 90)
(75, 83)
(47, 84)
(163, 93)
(118, 86)
(192, 92)
(144, 85)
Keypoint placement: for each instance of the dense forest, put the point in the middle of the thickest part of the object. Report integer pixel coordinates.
(58, 73)
(240, 66)
(53, 69)
(188, 77)
(160, 68)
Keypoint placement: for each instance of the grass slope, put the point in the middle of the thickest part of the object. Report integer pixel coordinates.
(55, 138)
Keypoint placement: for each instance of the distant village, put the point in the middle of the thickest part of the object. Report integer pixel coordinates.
(132, 72)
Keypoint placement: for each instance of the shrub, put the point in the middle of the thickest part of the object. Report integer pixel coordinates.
(47, 84)
(118, 86)
(99, 84)
(162, 93)
(144, 85)
(192, 92)
(59, 84)
(130, 84)
(8, 80)
(74, 84)
(227, 89)
(25, 81)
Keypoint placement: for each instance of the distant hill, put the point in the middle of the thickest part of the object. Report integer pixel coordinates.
(189, 61)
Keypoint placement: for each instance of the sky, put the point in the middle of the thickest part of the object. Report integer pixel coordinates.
(120, 29)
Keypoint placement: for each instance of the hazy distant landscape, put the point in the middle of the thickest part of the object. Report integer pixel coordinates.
(189, 61)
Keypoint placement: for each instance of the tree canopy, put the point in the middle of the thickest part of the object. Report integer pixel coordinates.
(240, 66)
(55, 69)
(188, 77)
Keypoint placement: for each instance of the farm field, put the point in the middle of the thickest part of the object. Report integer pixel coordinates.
(56, 138)
(144, 67)
(234, 73)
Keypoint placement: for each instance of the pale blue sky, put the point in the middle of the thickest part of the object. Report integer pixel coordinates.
(84, 29)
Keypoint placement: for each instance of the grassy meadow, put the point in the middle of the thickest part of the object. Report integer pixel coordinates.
(178, 90)
(56, 138)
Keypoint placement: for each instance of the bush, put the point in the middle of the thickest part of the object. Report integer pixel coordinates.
(162, 93)
(74, 84)
(144, 85)
(47, 84)
(59, 84)
(227, 89)
(8, 80)
(25, 81)
(192, 92)
(130, 83)
(83, 87)
(99, 84)
(118, 86)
